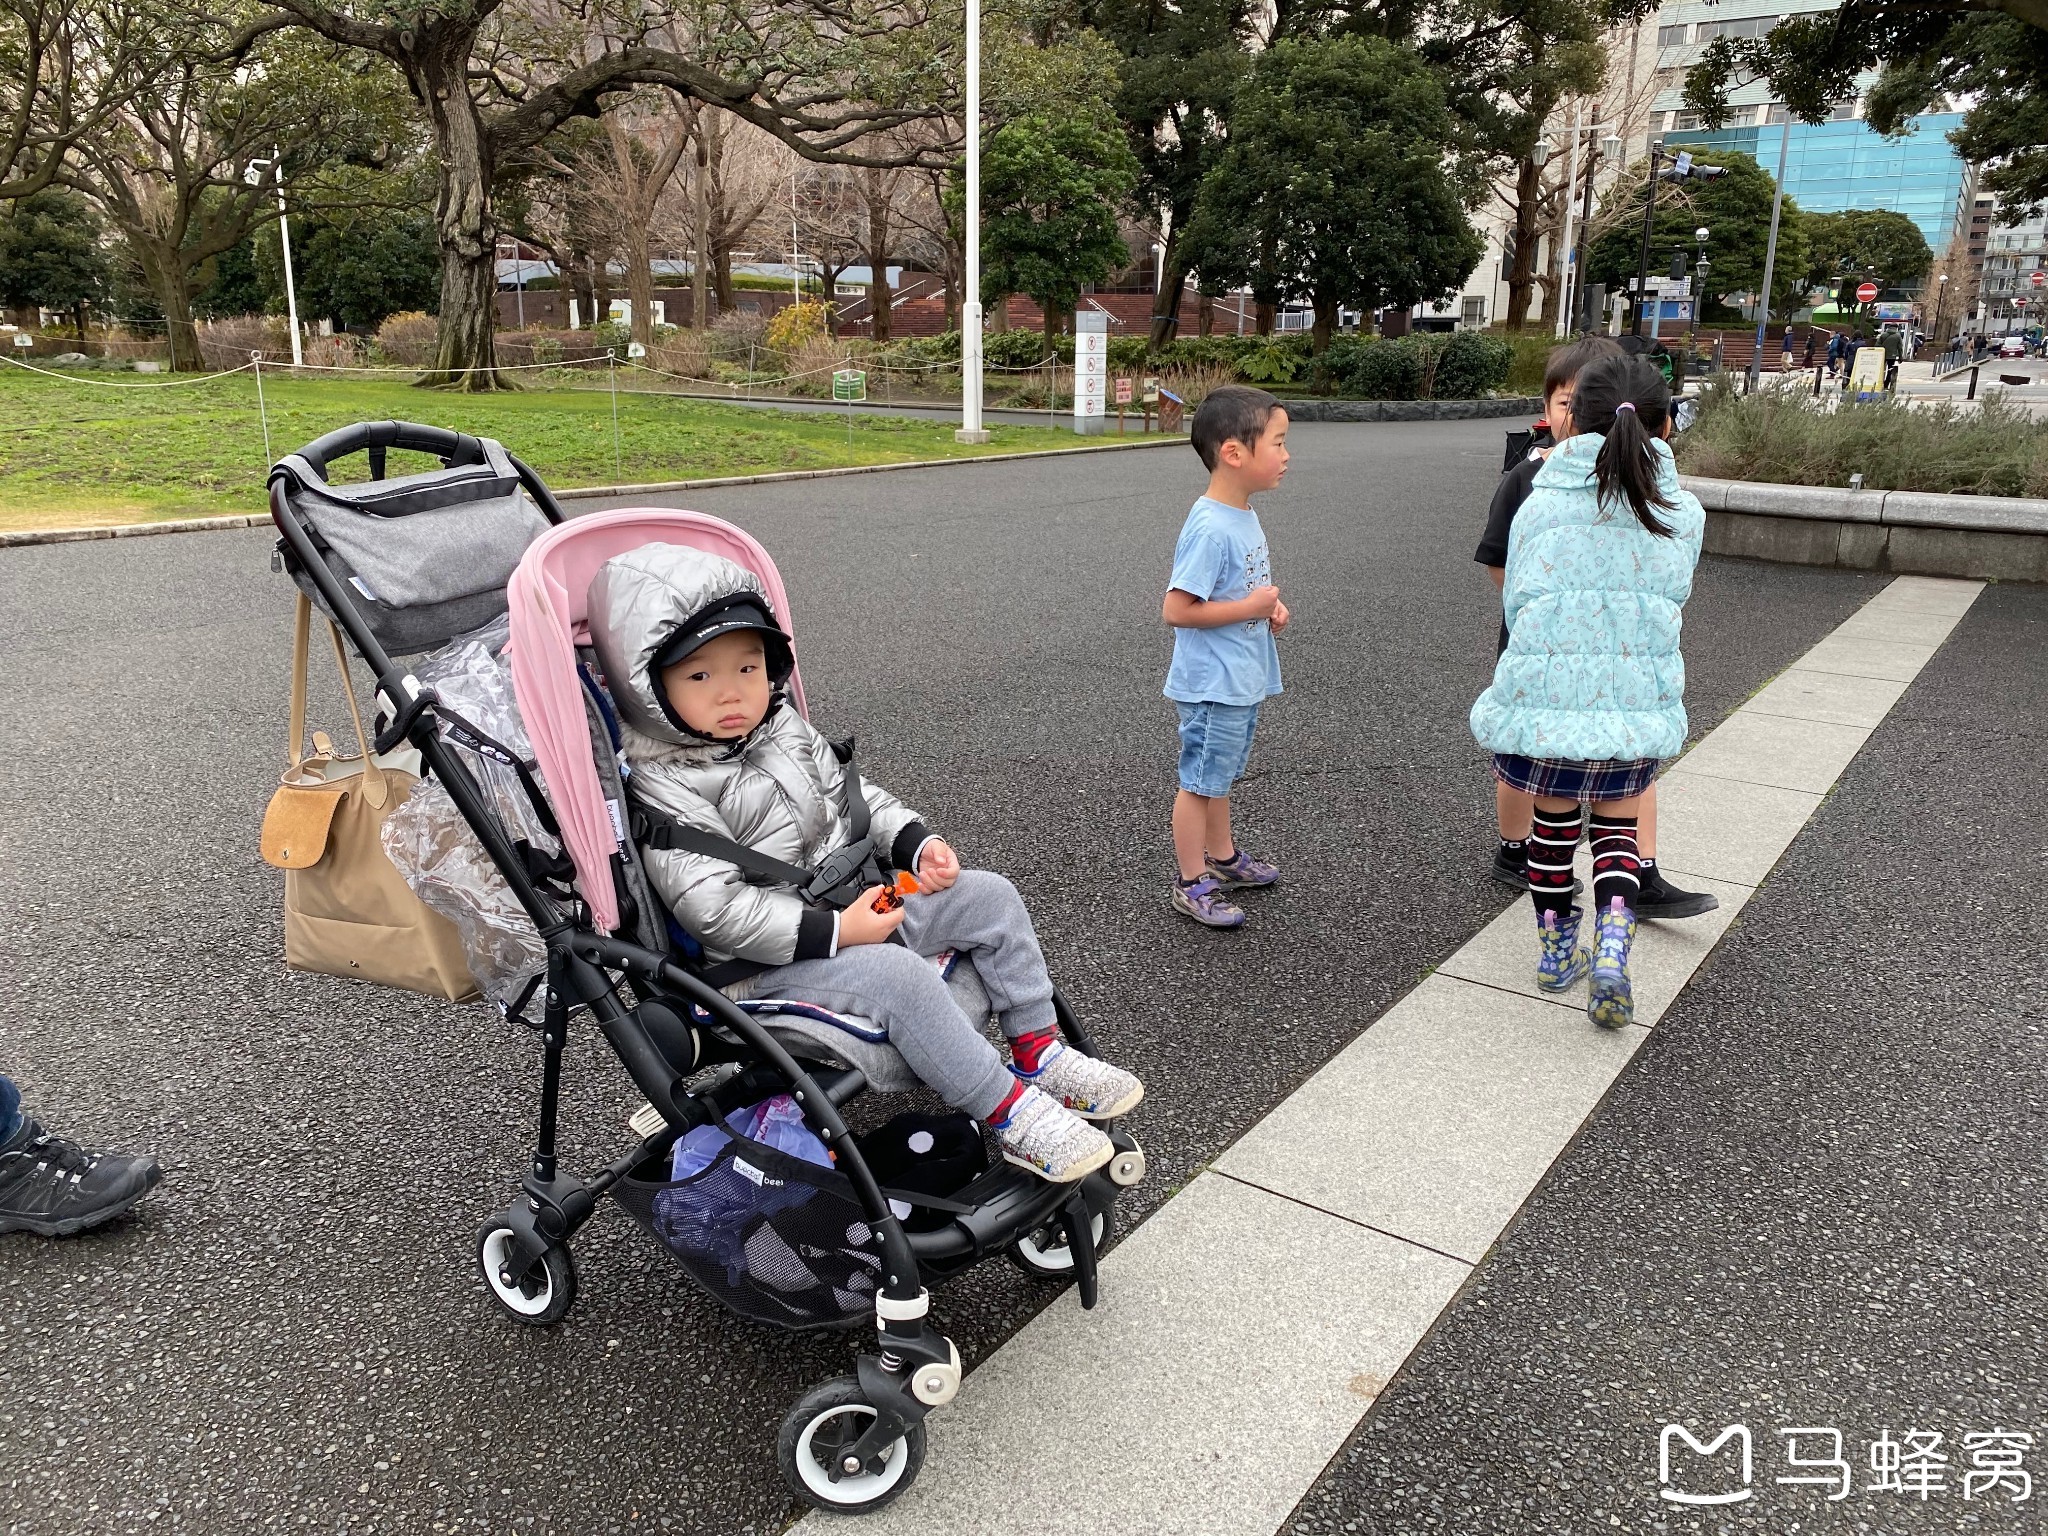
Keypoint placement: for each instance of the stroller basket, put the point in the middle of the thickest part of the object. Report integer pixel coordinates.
(776, 1239)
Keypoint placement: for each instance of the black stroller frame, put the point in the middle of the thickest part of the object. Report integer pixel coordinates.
(524, 1248)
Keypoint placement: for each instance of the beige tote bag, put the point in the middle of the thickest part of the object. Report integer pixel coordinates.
(347, 910)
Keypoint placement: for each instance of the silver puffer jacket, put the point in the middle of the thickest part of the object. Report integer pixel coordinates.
(779, 790)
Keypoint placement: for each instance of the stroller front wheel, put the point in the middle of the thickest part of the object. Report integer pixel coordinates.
(1044, 1253)
(817, 1432)
(543, 1294)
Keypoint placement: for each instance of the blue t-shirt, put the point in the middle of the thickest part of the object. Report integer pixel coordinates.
(1222, 557)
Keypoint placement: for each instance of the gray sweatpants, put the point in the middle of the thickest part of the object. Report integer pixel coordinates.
(983, 917)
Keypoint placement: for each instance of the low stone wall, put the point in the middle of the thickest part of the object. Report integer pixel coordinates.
(1992, 537)
(1411, 410)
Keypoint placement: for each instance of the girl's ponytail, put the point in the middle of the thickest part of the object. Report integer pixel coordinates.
(1626, 401)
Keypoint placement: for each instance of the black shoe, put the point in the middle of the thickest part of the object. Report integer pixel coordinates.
(1509, 871)
(55, 1187)
(1658, 897)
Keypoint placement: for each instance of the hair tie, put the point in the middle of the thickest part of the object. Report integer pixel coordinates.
(1626, 405)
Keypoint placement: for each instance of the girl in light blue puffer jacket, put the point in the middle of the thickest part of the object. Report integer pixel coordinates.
(1587, 701)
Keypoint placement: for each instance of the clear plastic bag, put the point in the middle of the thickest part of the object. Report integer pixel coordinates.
(434, 848)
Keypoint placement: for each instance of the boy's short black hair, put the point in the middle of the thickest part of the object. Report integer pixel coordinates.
(1232, 414)
(1567, 362)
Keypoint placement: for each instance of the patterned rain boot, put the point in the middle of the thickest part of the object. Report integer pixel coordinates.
(1613, 1003)
(1562, 961)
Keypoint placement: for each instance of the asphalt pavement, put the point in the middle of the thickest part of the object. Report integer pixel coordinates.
(1812, 1201)
(290, 1334)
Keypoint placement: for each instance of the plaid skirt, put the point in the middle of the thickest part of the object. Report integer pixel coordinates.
(1551, 778)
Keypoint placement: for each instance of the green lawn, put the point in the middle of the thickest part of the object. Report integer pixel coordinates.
(77, 454)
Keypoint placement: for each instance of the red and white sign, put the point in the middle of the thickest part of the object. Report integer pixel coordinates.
(2039, 279)
(1866, 293)
(1123, 391)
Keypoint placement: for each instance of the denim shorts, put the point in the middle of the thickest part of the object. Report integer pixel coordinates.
(1215, 745)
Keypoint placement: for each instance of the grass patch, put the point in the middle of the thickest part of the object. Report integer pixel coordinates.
(78, 454)
(1789, 439)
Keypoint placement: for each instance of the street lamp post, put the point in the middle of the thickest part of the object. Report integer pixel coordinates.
(1681, 169)
(1940, 303)
(1608, 147)
(1700, 295)
(252, 175)
(1763, 303)
(971, 430)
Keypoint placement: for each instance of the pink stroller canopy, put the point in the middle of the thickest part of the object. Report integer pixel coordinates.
(549, 602)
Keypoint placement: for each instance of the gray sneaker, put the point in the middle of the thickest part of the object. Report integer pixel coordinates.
(1089, 1086)
(1051, 1140)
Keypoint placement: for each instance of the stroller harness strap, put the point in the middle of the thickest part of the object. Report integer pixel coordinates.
(834, 883)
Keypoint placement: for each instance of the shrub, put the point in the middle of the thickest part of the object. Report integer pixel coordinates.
(1792, 439)
(1014, 349)
(227, 343)
(736, 332)
(796, 324)
(1391, 368)
(1274, 360)
(1127, 353)
(409, 339)
(613, 336)
(1525, 374)
(1472, 364)
(1194, 382)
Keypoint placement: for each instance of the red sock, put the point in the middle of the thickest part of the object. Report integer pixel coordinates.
(1026, 1050)
(1000, 1115)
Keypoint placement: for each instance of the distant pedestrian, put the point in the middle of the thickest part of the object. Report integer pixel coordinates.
(56, 1188)
(1836, 346)
(1806, 357)
(1587, 702)
(1224, 611)
(1513, 808)
(1787, 363)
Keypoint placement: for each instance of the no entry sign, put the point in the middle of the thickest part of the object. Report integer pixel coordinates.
(2039, 279)
(1866, 293)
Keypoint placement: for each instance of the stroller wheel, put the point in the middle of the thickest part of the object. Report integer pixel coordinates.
(543, 1294)
(1044, 1252)
(820, 1429)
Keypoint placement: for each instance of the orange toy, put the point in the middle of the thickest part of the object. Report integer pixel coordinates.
(890, 897)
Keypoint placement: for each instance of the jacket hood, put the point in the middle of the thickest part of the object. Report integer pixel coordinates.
(1571, 464)
(638, 600)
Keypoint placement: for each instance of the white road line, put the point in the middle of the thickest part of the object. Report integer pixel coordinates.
(1247, 1326)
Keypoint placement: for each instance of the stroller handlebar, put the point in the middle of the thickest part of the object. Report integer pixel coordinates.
(450, 447)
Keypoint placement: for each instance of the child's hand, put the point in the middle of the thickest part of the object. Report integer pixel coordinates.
(862, 924)
(1262, 601)
(938, 866)
(1279, 620)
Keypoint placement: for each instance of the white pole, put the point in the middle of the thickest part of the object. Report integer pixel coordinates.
(1571, 206)
(1763, 303)
(796, 276)
(284, 235)
(971, 430)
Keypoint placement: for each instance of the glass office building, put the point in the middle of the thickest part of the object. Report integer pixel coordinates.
(1829, 167)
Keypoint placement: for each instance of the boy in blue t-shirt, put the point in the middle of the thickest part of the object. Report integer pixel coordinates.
(1225, 611)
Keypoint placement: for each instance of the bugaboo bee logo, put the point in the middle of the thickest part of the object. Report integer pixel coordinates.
(1736, 1432)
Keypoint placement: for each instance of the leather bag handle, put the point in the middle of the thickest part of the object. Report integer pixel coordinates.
(376, 787)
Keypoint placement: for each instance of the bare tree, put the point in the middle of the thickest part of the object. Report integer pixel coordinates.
(66, 67)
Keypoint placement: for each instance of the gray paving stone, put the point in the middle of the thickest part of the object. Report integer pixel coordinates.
(1861, 657)
(1898, 624)
(1832, 697)
(1262, 1328)
(1437, 1122)
(1768, 749)
(1930, 594)
(1723, 829)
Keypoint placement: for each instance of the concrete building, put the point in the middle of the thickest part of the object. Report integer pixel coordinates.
(2007, 299)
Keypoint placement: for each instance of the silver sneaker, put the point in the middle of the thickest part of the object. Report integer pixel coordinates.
(1089, 1086)
(1051, 1140)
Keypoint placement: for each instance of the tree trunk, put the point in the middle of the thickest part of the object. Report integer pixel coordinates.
(880, 294)
(1205, 315)
(700, 255)
(1173, 277)
(1049, 323)
(998, 314)
(1262, 318)
(167, 280)
(600, 287)
(721, 276)
(1522, 271)
(640, 280)
(1325, 326)
(467, 355)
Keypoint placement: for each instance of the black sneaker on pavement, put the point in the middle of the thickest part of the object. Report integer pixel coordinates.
(1658, 897)
(1511, 872)
(56, 1188)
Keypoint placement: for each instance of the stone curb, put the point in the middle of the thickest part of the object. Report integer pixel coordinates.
(2001, 538)
(585, 493)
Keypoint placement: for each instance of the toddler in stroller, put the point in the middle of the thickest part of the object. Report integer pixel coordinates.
(770, 851)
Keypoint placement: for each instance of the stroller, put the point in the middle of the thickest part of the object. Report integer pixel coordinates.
(405, 565)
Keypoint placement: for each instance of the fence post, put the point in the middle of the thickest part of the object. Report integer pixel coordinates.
(256, 358)
(618, 459)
